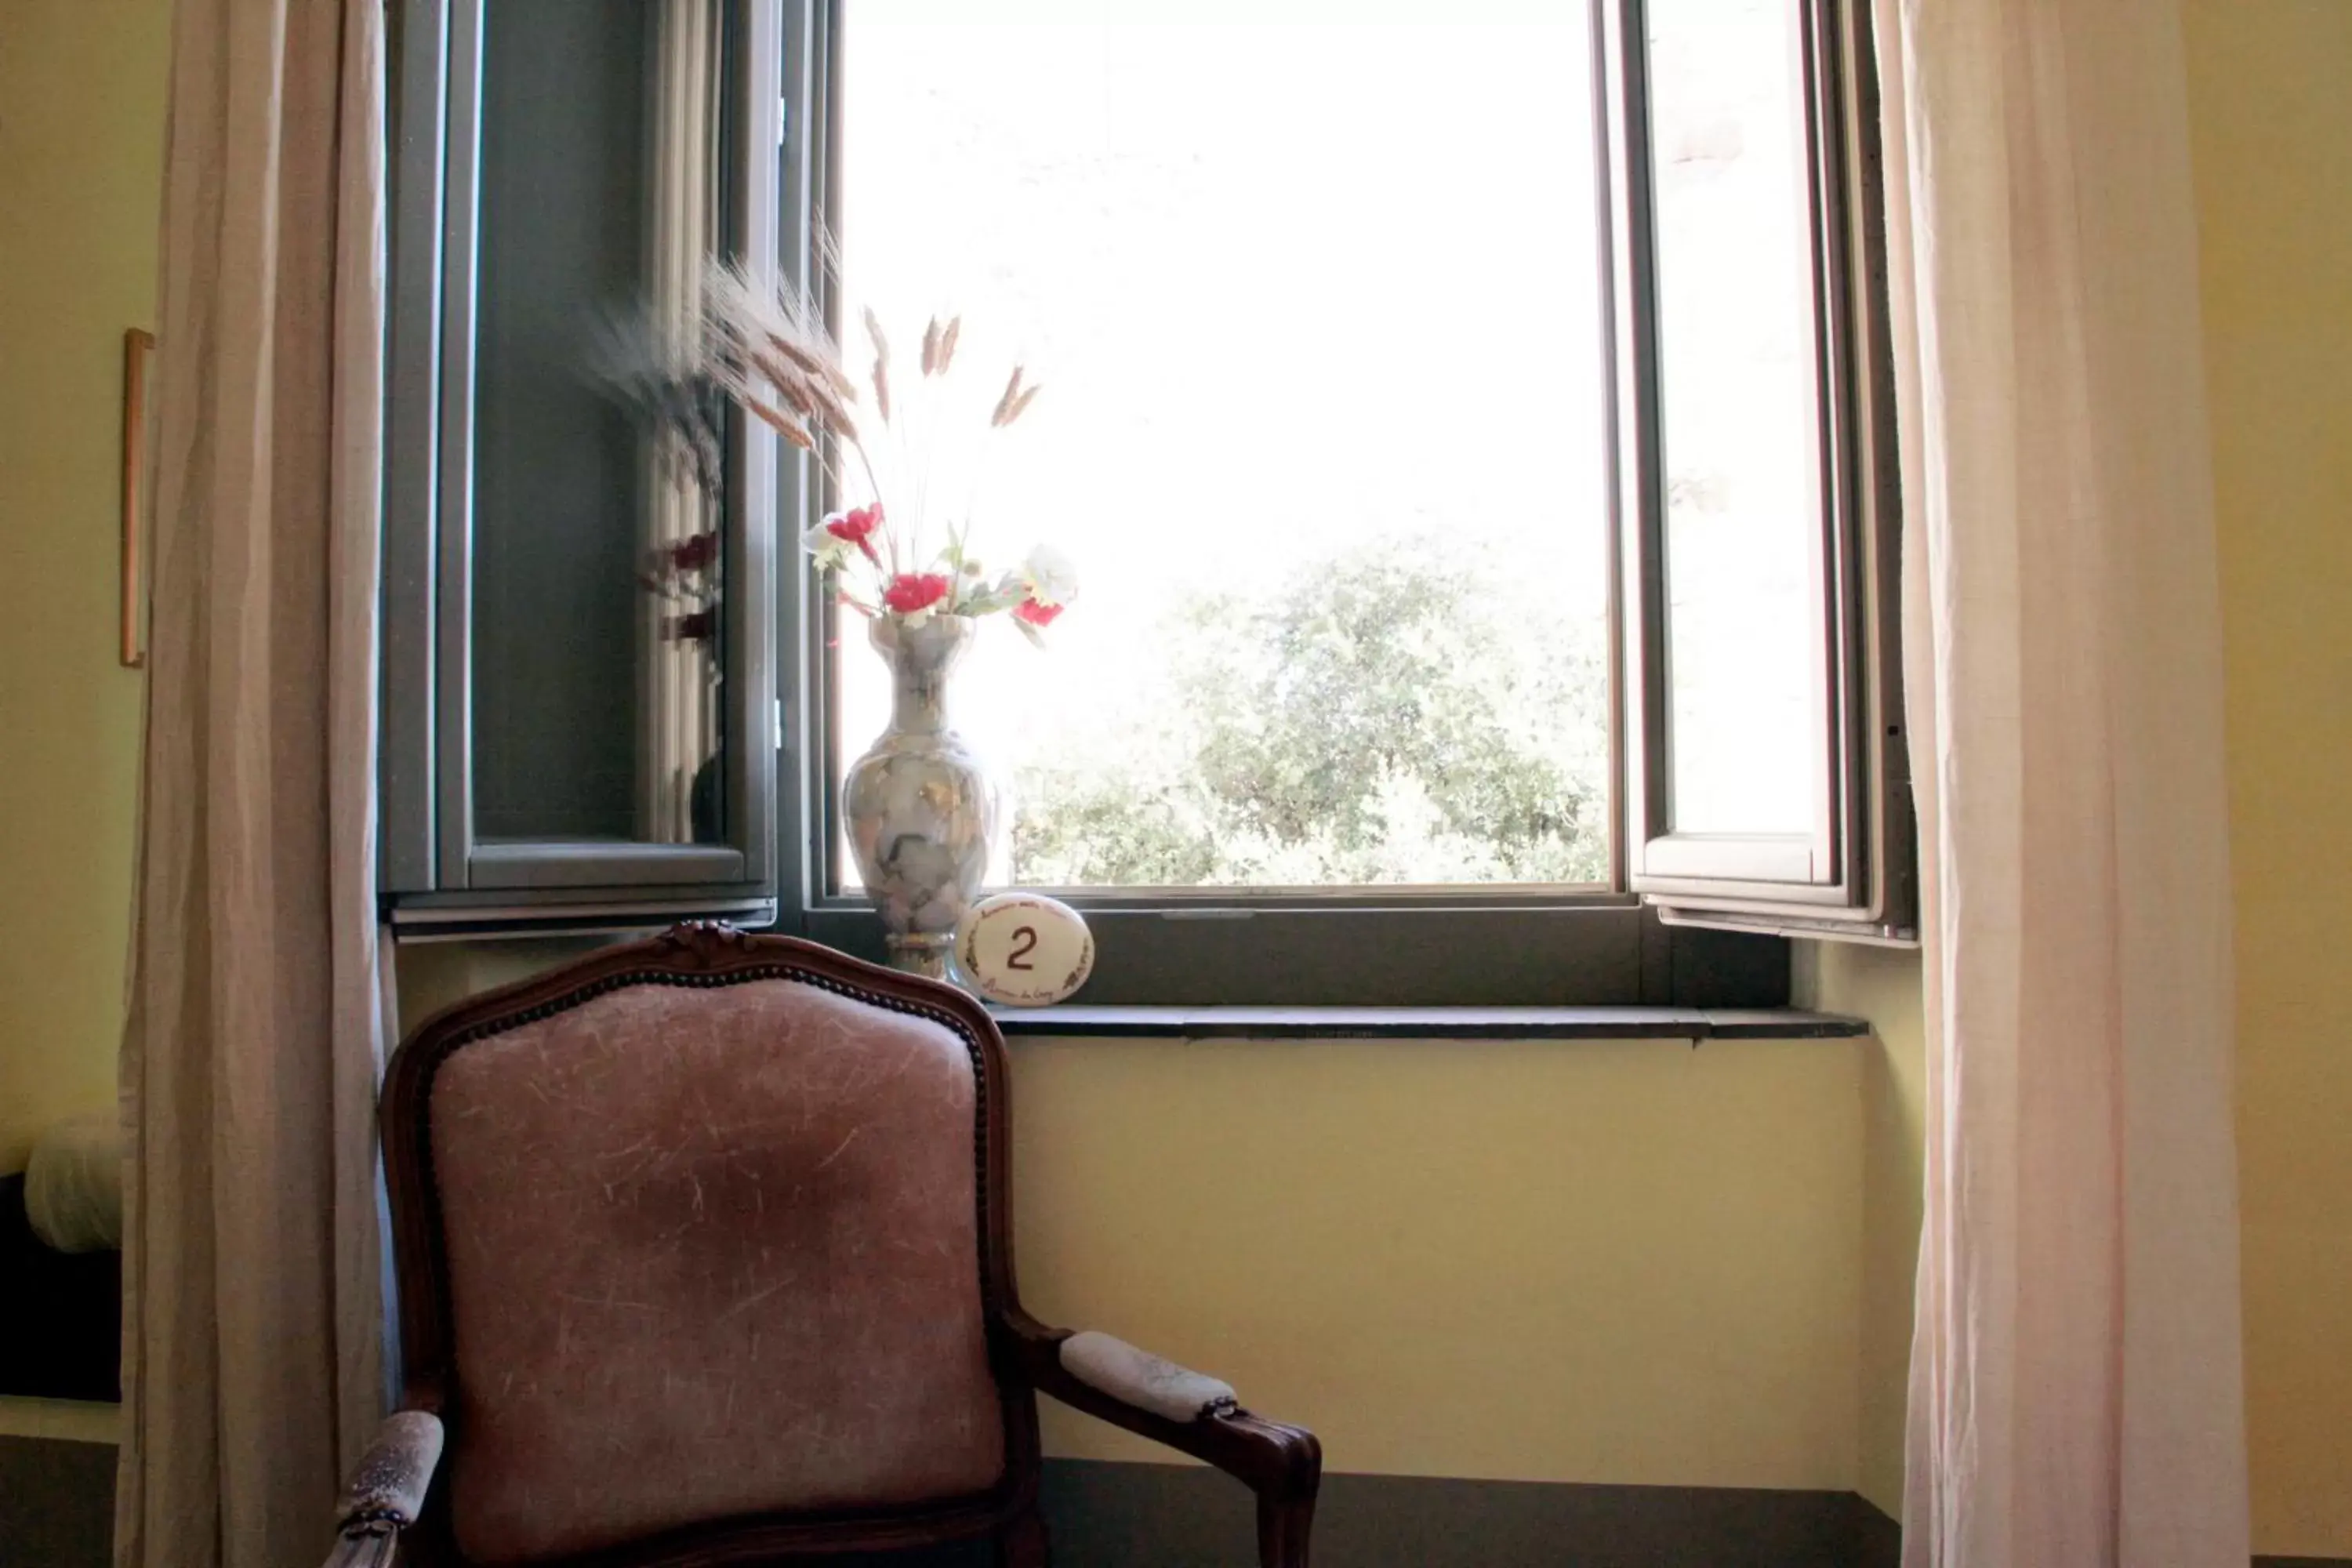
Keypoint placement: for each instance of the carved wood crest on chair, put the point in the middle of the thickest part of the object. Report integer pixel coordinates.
(705, 1256)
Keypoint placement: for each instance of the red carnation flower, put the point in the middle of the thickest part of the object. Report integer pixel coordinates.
(856, 526)
(1035, 614)
(916, 593)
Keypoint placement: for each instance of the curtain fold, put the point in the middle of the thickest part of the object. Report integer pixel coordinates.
(2076, 1387)
(253, 1318)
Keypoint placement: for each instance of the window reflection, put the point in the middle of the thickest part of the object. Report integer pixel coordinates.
(599, 570)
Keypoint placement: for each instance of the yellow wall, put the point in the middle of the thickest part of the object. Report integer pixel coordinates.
(1631, 1262)
(2273, 127)
(81, 127)
(1883, 985)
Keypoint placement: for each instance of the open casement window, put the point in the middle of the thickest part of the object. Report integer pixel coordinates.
(1671, 205)
(1767, 785)
(1336, 718)
(1481, 589)
(579, 632)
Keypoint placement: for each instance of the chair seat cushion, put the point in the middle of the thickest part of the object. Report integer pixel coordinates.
(713, 1251)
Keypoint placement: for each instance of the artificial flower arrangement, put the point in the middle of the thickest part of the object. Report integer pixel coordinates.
(770, 351)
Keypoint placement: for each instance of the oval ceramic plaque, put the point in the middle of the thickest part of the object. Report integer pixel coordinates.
(1024, 950)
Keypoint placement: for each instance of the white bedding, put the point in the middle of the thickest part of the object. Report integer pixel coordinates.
(73, 1185)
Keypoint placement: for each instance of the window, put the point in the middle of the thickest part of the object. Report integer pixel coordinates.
(1467, 423)
(1324, 429)
(1760, 493)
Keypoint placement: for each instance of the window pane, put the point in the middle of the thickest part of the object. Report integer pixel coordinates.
(1317, 308)
(1748, 746)
(597, 661)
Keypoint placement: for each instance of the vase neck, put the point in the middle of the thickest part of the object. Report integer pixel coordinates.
(918, 699)
(921, 659)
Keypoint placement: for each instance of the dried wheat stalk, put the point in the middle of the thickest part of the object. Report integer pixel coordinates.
(783, 424)
(757, 336)
(811, 397)
(1016, 398)
(881, 363)
(819, 364)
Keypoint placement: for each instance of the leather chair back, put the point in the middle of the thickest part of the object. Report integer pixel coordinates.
(708, 1248)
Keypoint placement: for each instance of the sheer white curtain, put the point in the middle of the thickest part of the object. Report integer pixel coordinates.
(2076, 1392)
(253, 1311)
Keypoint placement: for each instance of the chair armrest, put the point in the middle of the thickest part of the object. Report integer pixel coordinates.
(1187, 1411)
(386, 1494)
(1113, 1367)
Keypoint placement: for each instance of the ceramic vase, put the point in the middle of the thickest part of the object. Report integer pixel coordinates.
(920, 808)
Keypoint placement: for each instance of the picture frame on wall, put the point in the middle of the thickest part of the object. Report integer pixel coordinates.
(138, 492)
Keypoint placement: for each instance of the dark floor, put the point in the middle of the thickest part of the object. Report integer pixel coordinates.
(1129, 1514)
(56, 1506)
(57, 1503)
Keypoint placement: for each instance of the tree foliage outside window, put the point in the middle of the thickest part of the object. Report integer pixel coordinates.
(1385, 716)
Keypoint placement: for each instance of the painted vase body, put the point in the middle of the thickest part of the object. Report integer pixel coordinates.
(920, 807)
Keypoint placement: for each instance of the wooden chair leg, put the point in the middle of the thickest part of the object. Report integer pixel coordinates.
(1024, 1544)
(1282, 1529)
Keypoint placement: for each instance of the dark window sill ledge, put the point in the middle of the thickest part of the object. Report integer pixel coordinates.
(1081, 1022)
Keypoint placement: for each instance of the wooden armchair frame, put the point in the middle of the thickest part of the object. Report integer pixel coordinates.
(392, 1506)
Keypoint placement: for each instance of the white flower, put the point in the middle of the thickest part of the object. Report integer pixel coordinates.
(1049, 575)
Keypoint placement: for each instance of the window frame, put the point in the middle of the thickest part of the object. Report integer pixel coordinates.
(1182, 946)
(436, 875)
(1185, 945)
(1861, 880)
(1641, 940)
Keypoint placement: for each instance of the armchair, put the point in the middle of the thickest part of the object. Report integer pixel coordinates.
(705, 1258)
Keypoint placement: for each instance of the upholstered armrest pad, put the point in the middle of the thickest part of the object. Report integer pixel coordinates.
(1136, 1377)
(390, 1484)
